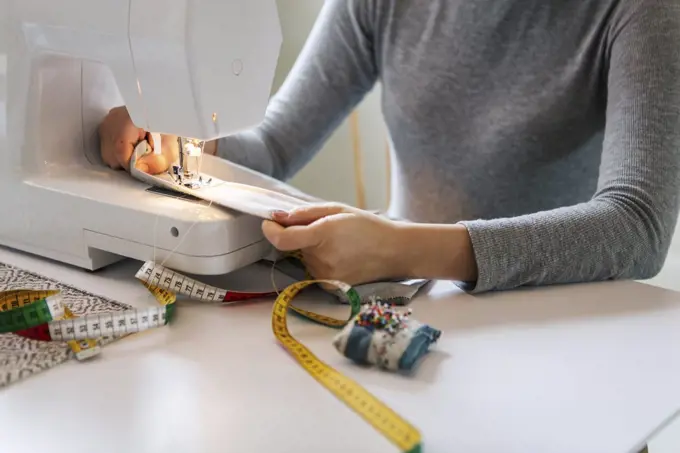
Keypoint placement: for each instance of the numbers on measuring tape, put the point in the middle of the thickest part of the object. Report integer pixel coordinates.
(41, 315)
(47, 311)
(166, 279)
(376, 413)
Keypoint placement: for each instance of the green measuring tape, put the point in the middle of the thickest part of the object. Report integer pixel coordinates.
(41, 315)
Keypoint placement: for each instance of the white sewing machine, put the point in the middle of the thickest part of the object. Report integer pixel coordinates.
(195, 68)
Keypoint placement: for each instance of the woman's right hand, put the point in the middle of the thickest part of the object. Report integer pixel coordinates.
(118, 137)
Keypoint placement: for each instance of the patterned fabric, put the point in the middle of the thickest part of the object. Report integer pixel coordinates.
(21, 357)
(401, 350)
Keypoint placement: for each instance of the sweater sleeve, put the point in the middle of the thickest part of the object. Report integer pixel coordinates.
(332, 74)
(625, 229)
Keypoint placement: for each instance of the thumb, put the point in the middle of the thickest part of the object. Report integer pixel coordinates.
(308, 214)
(152, 164)
(125, 148)
(290, 238)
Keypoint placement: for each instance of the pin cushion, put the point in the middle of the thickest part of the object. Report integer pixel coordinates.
(381, 336)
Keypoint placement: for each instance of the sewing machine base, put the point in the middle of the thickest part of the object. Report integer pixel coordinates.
(90, 216)
(97, 259)
(93, 235)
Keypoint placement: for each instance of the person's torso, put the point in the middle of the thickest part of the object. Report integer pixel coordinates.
(495, 108)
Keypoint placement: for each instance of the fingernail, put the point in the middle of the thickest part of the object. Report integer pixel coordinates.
(279, 214)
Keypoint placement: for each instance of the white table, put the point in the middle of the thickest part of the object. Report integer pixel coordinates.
(580, 369)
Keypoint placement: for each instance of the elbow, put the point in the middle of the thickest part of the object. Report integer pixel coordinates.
(648, 266)
(648, 251)
(644, 247)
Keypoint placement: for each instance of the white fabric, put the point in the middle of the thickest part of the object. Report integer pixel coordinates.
(244, 198)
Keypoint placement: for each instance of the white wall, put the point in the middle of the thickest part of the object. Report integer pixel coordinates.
(331, 174)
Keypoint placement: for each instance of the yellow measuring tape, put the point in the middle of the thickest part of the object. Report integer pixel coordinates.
(375, 412)
(42, 315)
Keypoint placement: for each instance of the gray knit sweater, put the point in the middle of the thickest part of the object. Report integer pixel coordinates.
(551, 129)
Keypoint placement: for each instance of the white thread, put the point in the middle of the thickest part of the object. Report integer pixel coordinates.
(155, 226)
(181, 241)
(155, 233)
(186, 234)
(200, 159)
(273, 278)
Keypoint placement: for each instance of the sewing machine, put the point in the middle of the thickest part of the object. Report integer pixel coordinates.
(195, 68)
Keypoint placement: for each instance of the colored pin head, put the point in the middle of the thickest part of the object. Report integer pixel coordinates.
(378, 315)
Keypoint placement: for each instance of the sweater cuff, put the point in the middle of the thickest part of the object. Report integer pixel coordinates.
(489, 245)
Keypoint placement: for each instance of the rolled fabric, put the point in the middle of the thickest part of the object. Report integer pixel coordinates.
(383, 337)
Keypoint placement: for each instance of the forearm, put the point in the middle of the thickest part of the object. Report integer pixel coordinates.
(435, 252)
(248, 149)
(595, 241)
(610, 237)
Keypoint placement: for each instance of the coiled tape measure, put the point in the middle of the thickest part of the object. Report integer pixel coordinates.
(42, 315)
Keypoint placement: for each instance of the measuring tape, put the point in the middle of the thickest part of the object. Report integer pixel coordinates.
(156, 276)
(14, 300)
(43, 319)
(382, 418)
(375, 412)
(41, 315)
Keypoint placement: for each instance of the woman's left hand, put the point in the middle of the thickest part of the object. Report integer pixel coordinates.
(340, 242)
